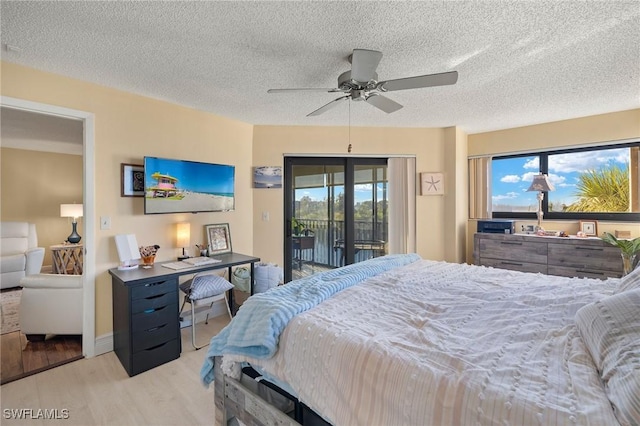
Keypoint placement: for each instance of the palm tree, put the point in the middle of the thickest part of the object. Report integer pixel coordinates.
(604, 190)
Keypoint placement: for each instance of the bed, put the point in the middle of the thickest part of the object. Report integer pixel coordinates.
(399, 340)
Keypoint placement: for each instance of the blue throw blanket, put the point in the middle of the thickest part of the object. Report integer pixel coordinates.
(256, 328)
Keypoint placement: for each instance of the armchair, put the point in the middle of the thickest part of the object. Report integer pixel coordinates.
(50, 304)
(19, 254)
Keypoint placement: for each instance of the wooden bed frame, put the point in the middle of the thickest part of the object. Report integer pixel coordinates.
(234, 400)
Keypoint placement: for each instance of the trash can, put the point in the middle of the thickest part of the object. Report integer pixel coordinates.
(267, 275)
(241, 279)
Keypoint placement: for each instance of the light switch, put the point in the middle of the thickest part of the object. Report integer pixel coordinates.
(105, 223)
(265, 216)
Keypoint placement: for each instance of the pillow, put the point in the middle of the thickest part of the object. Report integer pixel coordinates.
(203, 286)
(630, 281)
(610, 328)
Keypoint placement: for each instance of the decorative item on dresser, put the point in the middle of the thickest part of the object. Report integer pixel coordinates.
(567, 257)
(541, 184)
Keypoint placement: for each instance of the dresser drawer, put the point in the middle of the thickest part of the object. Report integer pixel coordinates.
(513, 250)
(514, 265)
(586, 272)
(151, 319)
(154, 336)
(155, 356)
(154, 288)
(154, 302)
(588, 257)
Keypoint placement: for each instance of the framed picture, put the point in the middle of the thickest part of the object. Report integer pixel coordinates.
(431, 183)
(589, 227)
(267, 177)
(218, 238)
(132, 176)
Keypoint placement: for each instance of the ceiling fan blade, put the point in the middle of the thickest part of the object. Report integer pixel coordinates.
(363, 64)
(418, 82)
(304, 90)
(327, 106)
(383, 103)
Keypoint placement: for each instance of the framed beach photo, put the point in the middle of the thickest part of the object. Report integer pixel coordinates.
(589, 228)
(218, 238)
(267, 177)
(132, 179)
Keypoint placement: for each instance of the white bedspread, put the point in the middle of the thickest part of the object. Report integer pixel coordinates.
(433, 343)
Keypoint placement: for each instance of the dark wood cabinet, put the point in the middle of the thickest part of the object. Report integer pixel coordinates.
(567, 257)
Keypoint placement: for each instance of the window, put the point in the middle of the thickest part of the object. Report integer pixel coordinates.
(594, 183)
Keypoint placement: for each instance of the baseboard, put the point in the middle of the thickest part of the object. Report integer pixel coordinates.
(104, 344)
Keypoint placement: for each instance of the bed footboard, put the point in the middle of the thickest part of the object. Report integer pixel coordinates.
(233, 400)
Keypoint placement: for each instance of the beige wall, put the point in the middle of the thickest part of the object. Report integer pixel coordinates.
(596, 129)
(128, 127)
(34, 184)
(270, 143)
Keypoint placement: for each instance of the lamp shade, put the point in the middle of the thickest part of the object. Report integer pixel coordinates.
(541, 183)
(71, 210)
(183, 235)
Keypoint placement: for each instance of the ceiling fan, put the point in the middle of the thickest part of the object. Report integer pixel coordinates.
(361, 83)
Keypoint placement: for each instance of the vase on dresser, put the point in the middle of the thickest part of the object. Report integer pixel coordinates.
(628, 263)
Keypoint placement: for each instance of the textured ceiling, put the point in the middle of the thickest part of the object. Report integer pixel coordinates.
(519, 63)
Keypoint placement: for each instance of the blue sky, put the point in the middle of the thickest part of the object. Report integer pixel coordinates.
(191, 175)
(511, 177)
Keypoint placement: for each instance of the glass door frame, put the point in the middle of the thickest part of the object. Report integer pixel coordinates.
(348, 164)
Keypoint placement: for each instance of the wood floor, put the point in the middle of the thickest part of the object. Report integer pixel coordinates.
(21, 358)
(98, 391)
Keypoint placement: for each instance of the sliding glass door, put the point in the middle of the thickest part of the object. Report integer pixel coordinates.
(335, 213)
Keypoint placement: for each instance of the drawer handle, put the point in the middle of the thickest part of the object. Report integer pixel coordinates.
(155, 297)
(152, 310)
(589, 248)
(511, 263)
(156, 346)
(154, 284)
(590, 272)
(151, 330)
(511, 243)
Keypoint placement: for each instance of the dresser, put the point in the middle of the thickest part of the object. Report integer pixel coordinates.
(567, 257)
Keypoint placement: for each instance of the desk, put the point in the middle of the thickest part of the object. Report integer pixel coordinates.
(303, 243)
(146, 327)
(67, 258)
(376, 247)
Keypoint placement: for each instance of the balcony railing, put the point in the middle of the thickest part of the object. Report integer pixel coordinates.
(327, 232)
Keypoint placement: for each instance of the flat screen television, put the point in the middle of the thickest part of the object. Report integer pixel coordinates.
(181, 186)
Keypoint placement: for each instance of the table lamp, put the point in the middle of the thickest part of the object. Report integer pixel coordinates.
(183, 237)
(74, 211)
(541, 184)
(128, 251)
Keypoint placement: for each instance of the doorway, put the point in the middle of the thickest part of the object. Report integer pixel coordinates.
(88, 179)
(336, 213)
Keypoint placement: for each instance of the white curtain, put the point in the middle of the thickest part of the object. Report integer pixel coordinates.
(479, 207)
(402, 204)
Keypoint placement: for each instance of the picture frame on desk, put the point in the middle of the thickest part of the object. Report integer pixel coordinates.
(218, 238)
(589, 227)
(132, 180)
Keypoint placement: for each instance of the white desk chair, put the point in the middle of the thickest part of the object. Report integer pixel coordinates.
(204, 289)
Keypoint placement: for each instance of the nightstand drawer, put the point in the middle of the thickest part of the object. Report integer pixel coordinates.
(513, 250)
(159, 316)
(154, 288)
(155, 356)
(154, 302)
(514, 265)
(152, 337)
